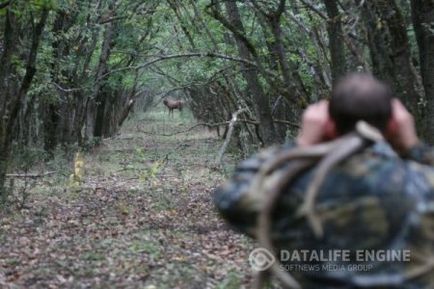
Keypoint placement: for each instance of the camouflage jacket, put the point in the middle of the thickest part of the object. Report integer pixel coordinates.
(374, 201)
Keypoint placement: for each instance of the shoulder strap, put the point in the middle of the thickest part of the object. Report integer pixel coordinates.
(270, 181)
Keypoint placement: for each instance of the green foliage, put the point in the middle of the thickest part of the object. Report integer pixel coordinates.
(46, 4)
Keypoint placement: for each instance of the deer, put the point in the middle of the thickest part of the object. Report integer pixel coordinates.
(173, 104)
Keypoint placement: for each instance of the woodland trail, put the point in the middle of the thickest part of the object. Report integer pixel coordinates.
(142, 218)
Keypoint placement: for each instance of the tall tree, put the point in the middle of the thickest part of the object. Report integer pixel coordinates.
(13, 86)
(336, 39)
(97, 103)
(247, 51)
(390, 50)
(423, 21)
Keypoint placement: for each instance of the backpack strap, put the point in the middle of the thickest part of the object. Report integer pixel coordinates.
(273, 177)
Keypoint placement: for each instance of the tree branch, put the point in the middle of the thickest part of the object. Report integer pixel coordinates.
(65, 89)
(4, 4)
(211, 10)
(32, 176)
(215, 124)
(219, 159)
(184, 130)
(314, 9)
(186, 55)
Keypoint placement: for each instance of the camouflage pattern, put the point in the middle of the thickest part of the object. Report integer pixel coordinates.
(375, 200)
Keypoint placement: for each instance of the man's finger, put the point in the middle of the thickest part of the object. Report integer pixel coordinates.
(320, 106)
(398, 106)
(399, 111)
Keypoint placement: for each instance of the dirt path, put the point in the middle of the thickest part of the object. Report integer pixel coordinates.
(143, 218)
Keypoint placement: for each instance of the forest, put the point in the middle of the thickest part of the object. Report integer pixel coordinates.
(102, 187)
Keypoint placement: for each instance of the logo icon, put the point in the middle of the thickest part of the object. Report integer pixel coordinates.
(261, 259)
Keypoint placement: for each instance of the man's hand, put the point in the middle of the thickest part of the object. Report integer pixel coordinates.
(314, 124)
(402, 131)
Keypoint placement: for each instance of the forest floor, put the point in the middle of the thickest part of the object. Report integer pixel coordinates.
(143, 217)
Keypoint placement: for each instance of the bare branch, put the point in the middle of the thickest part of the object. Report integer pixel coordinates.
(32, 176)
(65, 89)
(186, 55)
(4, 4)
(215, 124)
(314, 9)
(219, 159)
(184, 130)
(290, 123)
(112, 19)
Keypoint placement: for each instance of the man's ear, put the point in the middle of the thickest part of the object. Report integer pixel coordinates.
(330, 130)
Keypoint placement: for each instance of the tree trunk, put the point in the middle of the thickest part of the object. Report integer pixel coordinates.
(9, 47)
(13, 93)
(50, 123)
(423, 19)
(336, 40)
(51, 107)
(390, 50)
(98, 103)
(262, 105)
(4, 157)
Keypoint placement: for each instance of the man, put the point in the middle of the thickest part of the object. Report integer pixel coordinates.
(379, 200)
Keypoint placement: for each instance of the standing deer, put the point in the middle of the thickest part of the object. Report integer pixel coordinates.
(173, 104)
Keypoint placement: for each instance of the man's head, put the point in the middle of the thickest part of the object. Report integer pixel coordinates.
(360, 96)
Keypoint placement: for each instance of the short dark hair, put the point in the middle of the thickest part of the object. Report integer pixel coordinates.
(360, 96)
